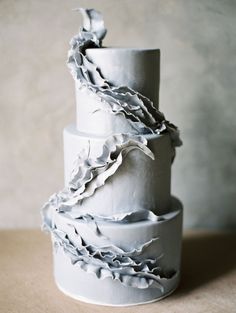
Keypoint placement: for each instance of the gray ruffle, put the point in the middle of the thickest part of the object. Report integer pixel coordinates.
(138, 109)
(90, 174)
(110, 261)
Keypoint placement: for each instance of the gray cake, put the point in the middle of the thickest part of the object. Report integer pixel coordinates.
(116, 230)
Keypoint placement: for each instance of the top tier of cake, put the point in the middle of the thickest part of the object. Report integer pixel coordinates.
(139, 69)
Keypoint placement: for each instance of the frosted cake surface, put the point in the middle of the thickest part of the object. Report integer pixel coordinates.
(115, 228)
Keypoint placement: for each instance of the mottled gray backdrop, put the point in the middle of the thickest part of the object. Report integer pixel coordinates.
(198, 83)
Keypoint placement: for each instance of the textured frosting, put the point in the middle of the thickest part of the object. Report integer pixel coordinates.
(119, 194)
(111, 261)
(138, 109)
(89, 243)
(136, 68)
(91, 173)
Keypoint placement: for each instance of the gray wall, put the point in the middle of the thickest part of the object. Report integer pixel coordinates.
(198, 46)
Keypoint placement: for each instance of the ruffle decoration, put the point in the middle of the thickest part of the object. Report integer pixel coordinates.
(128, 267)
(89, 174)
(127, 217)
(138, 109)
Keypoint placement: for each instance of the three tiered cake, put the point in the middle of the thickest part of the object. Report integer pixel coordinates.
(116, 230)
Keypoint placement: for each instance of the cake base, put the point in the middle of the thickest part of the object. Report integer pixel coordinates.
(85, 285)
(83, 299)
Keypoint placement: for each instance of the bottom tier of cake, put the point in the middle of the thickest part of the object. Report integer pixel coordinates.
(126, 260)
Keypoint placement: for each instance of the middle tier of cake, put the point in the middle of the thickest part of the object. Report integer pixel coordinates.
(140, 183)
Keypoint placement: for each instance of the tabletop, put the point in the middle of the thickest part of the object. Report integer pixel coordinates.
(208, 281)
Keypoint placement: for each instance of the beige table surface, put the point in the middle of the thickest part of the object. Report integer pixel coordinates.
(208, 277)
